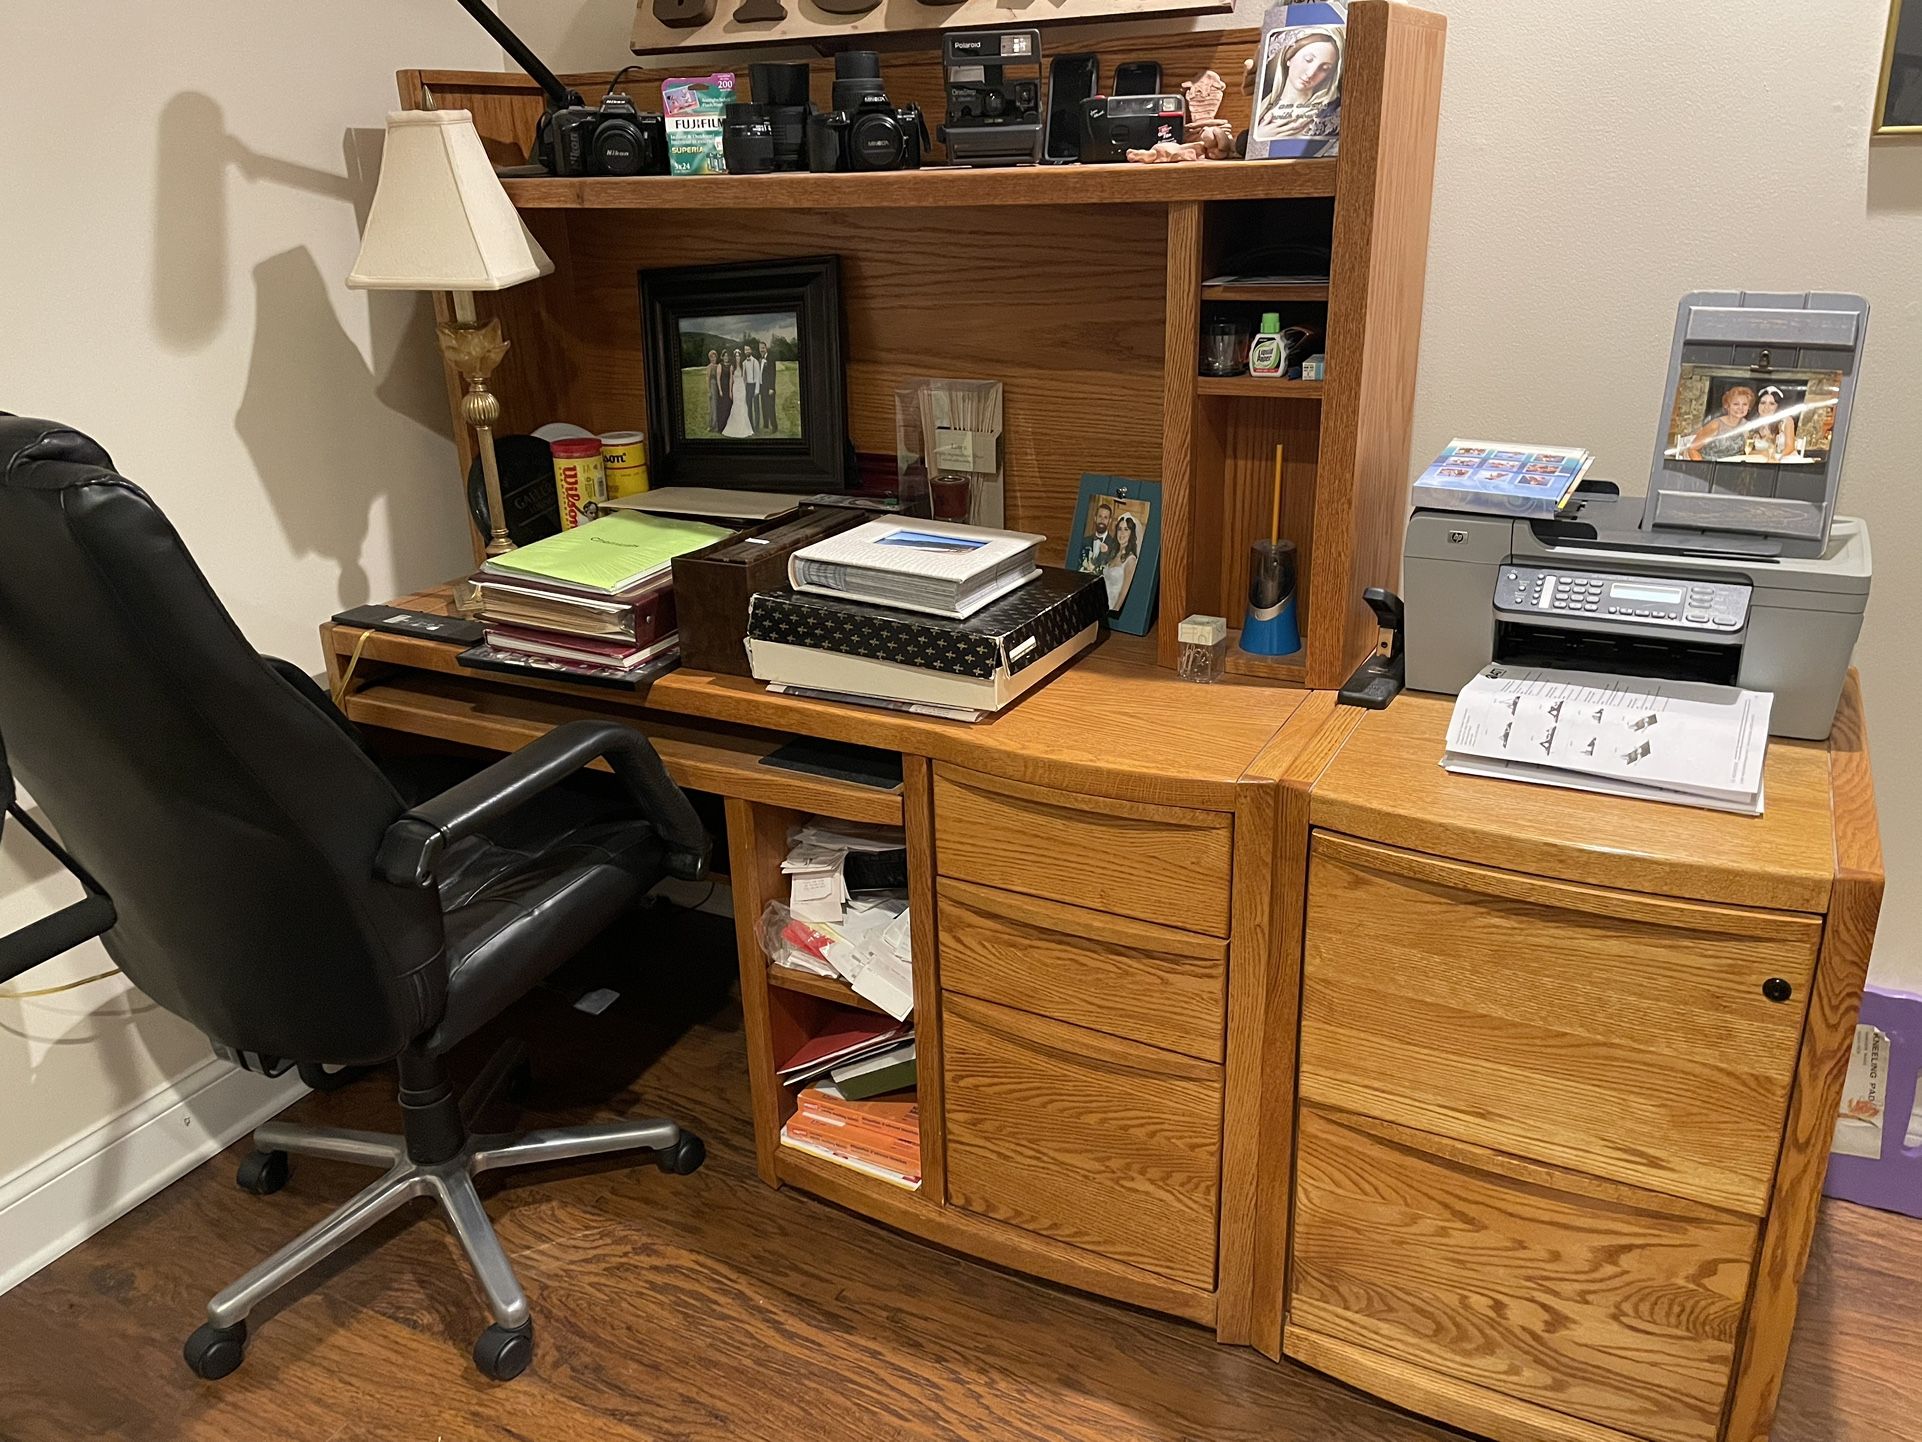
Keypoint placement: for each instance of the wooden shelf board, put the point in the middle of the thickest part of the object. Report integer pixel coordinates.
(934, 186)
(1268, 387)
(1292, 668)
(828, 988)
(1265, 292)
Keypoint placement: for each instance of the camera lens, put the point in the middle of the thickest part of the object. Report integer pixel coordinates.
(827, 133)
(779, 84)
(858, 65)
(876, 142)
(747, 139)
(789, 124)
(618, 148)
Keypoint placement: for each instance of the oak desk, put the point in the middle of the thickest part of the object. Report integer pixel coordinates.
(1232, 1004)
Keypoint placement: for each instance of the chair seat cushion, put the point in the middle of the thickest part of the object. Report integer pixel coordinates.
(519, 902)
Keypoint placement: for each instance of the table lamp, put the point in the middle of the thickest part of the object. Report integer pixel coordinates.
(440, 221)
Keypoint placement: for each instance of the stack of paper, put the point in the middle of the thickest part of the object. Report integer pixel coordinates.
(1507, 477)
(849, 1037)
(880, 1136)
(1677, 741)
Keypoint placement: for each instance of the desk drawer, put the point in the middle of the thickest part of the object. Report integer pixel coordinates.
(1147, 983)
(1622, 1035)
(1587, 1299)
(1100, 1143)
(1167, 864)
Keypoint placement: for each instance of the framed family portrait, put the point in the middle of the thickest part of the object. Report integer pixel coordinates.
(1117, 536)
(1739, 414)
(745, 381)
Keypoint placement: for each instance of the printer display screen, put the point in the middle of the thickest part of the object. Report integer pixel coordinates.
(1652, 595)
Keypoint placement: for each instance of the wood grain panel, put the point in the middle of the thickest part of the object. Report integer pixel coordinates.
(1157, 863)
(1079, 351)
(1841, 972)
(1108, 1145)
(1376, 279)
(917, 778)
(1616, 1308)
(757, 844)
(1386, 785)
(1181, 519)
(1620, 1035)
(1146, 983)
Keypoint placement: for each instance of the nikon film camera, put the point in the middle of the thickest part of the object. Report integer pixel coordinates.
(1112, 125)
(616, 137)
(864, 131)
(994, 97)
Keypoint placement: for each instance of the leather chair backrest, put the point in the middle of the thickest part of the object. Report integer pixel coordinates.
(232, 821)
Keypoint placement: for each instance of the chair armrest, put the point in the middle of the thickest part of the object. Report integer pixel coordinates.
(43, 940)
(413, 845)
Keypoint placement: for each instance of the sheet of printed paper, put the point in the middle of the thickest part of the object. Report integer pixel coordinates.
(1679, 736)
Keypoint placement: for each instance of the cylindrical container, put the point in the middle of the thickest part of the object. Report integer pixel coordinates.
(624, 458)
(1271, 628)
(1268, 356)
(1204, 648)
(579, 478)
(953, 497)
(747, 138)
(1224, 347)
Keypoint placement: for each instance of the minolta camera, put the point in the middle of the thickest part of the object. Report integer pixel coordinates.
(864, 131)
(993, 82)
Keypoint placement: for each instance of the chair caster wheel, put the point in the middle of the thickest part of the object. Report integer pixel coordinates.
(503, 1353)
(684, 1157)
(263, 1173)
(212, 1352)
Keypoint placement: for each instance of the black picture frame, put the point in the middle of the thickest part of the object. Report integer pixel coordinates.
(810, 286)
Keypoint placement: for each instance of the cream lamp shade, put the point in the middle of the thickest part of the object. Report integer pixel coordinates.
(440, 220)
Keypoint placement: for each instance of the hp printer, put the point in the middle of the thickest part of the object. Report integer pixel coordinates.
(1738, 570)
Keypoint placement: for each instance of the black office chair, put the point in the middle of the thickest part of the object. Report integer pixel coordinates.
(255, 870)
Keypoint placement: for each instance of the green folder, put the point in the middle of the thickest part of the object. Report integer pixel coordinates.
(611, 555)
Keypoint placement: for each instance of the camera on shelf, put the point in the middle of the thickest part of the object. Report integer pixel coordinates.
(864, 131)
(1112, 125)
(616, 137)
(993, 80)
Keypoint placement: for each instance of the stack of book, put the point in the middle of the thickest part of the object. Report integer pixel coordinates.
(922, 616)
(1504, 477)
(880, 1136)
(593, 604)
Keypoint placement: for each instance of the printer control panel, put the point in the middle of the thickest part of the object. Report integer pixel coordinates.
(1609, 601)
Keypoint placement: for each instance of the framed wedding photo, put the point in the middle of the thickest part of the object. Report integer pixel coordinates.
(745, 379)
(1117, 536)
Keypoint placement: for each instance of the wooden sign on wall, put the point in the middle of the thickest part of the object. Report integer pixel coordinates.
(662, 25)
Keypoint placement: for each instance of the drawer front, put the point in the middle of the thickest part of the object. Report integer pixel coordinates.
(1146, 983)
(1622, 1035)
(1165, 864)
(1100, 1143)
(1589, 1299)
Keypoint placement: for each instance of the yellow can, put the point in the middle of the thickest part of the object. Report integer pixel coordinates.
(624, 454)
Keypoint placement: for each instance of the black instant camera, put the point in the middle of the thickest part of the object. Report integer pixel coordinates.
(994, 97)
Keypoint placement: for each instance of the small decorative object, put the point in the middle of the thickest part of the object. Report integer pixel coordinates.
(745, 386)
(1271, 628)
(1204, 648)
(1207, 137)
(1297, 80)
(1315, 368)
(695, 109)
(1224, 346)
(948, 449)
(1117, 536)
(1898, 96)
(440, 221)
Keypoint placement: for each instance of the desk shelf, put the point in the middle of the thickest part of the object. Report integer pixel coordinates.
(827, 988)
(1264, 387)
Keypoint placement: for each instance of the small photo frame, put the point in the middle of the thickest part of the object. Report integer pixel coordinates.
(1117, 536)
(745, 380)
(1742, 415)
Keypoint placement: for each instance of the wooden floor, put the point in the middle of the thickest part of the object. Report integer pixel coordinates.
(713, 1307)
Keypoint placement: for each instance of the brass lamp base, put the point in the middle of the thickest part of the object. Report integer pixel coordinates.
(473, 350)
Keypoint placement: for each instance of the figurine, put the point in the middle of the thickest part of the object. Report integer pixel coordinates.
(1208, 138)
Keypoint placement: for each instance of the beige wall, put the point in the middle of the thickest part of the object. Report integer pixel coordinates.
(1591, 171)
(181, 188)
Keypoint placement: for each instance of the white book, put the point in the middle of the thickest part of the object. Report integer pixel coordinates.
(786, 664)
(937, 567)
(1682, 742)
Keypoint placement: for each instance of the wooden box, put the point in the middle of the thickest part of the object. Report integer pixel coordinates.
(712, 585)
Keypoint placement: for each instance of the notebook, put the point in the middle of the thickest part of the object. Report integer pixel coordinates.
(613, 554)
(935, 567)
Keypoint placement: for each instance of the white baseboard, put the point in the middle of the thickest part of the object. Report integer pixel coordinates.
(60, 1202)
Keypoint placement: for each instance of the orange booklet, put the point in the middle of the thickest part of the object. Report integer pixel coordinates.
(882, 1132)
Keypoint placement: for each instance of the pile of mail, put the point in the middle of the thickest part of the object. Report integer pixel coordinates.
(846, 914)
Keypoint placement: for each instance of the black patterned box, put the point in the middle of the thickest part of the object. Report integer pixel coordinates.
(1002, 638)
